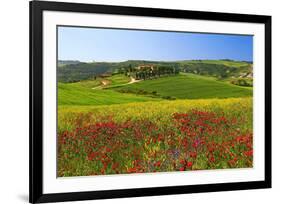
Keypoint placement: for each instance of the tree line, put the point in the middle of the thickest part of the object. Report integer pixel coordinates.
(149, 72)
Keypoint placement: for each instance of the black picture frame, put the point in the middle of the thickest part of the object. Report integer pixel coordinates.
(36, 105)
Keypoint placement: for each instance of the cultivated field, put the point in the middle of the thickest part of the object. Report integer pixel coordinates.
(187, 86)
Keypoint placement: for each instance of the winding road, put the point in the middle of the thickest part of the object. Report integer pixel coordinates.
(105, 83)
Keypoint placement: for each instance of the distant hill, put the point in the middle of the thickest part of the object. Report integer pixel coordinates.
(68, 62)
(217, 68)
(82, 71)
(72, 71)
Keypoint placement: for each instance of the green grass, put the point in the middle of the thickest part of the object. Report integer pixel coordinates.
(119, 79)
(77, 94)
(87, 83)
(188, 86)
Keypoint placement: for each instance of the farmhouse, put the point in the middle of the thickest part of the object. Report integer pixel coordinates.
(145, 66)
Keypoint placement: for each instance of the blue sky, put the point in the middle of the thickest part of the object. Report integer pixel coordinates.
(115, 45)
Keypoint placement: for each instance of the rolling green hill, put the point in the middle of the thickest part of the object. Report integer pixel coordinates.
(183, 86)
(186, 86)
(77, 94)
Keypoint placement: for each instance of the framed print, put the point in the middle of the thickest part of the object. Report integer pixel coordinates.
(128, 101)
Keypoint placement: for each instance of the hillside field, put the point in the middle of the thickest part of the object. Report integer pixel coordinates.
(117, 91)
(188, 86)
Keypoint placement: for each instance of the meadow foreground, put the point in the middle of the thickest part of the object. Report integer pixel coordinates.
(155, 136)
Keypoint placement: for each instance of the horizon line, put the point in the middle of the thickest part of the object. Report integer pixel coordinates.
(100, 61)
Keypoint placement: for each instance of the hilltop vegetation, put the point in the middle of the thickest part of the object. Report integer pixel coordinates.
(67, 62)
(221, 69)
(225, 62)
(83, 71)
(218, 68)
